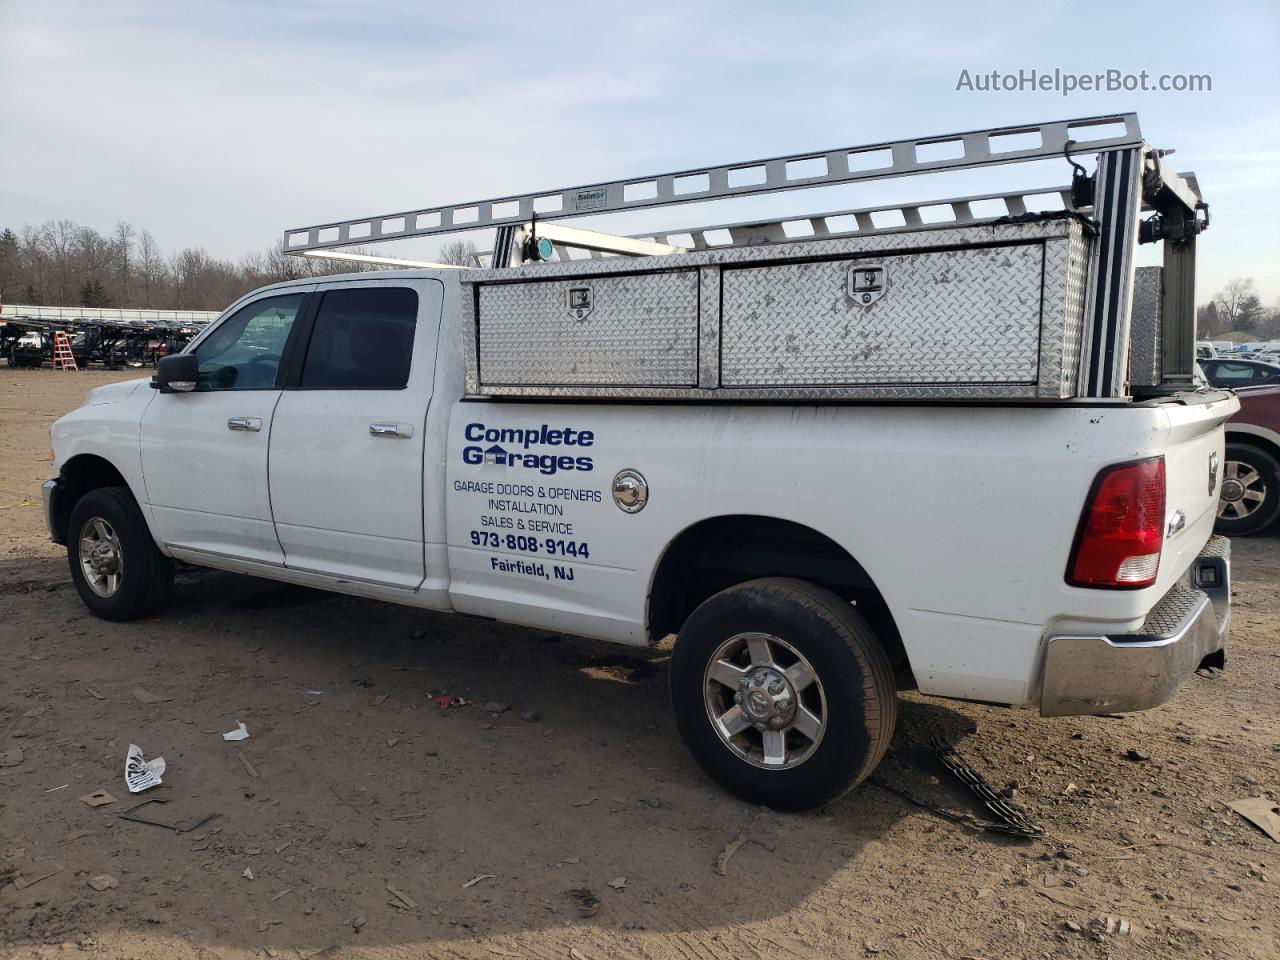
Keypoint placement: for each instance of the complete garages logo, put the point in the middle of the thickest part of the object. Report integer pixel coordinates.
(509, 447)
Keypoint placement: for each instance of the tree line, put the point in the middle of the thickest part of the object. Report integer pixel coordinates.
(61, 263)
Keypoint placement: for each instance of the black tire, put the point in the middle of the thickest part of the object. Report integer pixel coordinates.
(855, 687)
(1261, 514)
(145, 575)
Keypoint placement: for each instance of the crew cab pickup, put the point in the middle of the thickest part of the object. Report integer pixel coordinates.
(808, 557)
(967, 457)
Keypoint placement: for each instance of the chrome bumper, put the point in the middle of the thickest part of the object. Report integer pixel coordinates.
(1095, 675)
(50, 491)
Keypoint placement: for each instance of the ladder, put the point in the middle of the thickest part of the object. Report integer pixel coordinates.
(63, 358)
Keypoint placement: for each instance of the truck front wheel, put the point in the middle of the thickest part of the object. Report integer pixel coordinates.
(782, 692)
(117, 570)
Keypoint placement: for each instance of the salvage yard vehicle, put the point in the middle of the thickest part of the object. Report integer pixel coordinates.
(28, 350)
(1238, 373)
(959, 454)
(1250, 499)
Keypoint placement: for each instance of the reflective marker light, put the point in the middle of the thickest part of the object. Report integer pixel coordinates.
(1122, 529)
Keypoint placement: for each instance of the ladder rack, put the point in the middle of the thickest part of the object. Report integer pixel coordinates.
(1095, 260)
(876, 161)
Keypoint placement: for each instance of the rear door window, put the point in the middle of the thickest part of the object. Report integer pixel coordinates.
(362, 339)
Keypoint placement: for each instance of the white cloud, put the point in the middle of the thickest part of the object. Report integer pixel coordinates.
(220, 124)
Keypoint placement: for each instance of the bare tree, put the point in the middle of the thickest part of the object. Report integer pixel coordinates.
(122, 244)
(459, 253)
(1231, 300)
(151, 268)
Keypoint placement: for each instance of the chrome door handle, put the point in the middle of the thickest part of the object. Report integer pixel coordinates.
(251, 424)
(394, 430)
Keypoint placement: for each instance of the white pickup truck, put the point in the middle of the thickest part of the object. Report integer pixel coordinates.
(811, 554)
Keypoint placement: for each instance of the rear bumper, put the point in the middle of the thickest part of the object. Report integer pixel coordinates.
(50, 493)
(1117, 674)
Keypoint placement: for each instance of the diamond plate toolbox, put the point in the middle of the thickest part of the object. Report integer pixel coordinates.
(992, 311)
(629, 330)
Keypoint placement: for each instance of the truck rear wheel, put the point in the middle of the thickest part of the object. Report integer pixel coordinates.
(1249, 498)
(117, 570)
(782, 692)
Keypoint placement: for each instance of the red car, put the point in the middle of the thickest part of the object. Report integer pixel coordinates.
(1250, 495)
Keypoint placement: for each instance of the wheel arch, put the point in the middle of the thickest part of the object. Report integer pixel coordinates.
(81, 474)
(1258, 437)
(718, 552)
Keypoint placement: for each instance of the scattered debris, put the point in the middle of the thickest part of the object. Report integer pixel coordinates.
(497, 706)
(241, 732)
(56, 789)
(1072, 926)
(380, 699)
(176, 827)
(358, 921)
(248, 767)
(1137, 756)
(1064, 897)
(445, 701)
(98, 798)
(281, 848)
(588, 903)
(315, 693)
(282, 894)
(404, 898)
(141, 774)
(11, 758)
(585, 803)
(248, 873)
(103, 881)
(1261, 812)
(1116, 926)
(146, 696)
(730, 848)
(618, 883)
(33, 874)
(529, 715)
(347, 803)
(474, 880)
(94, 693)
(1011, 818)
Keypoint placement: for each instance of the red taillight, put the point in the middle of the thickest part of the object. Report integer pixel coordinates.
(1122, 529)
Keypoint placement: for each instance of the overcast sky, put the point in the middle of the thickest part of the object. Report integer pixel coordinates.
(219, 124)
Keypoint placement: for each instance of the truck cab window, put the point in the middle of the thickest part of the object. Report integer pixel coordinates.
(362, 340)
(244, 352)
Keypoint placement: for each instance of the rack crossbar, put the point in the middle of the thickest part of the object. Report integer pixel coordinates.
(898, 158)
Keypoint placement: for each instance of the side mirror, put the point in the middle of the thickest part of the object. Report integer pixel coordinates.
(176, 374)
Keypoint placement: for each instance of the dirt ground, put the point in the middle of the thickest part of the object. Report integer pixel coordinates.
(354, 782)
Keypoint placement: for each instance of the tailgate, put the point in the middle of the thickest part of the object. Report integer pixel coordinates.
(1193, 454)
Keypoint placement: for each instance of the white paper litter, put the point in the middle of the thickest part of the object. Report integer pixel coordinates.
(140, 774)
(240, 733)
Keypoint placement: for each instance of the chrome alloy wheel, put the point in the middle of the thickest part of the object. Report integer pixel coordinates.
(1243, 491)
(765, 701)
(101, 559)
